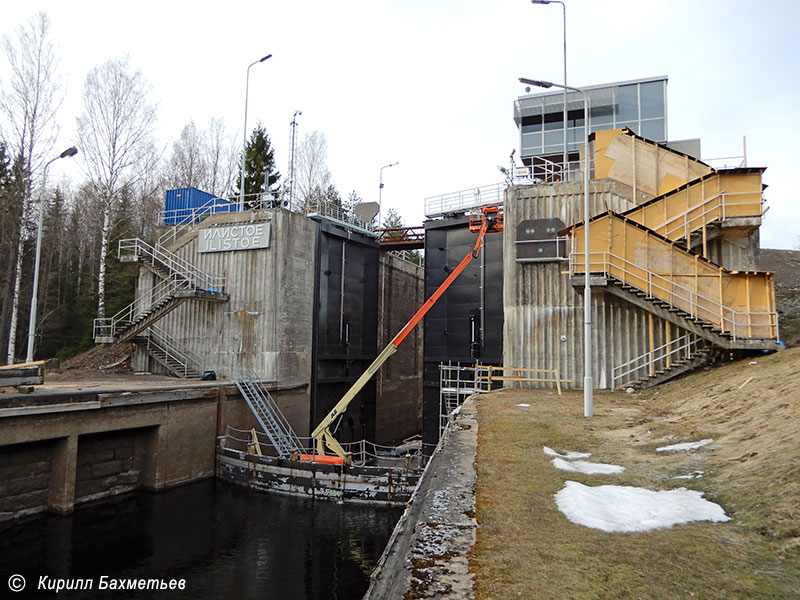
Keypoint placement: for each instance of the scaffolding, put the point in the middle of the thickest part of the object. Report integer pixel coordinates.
(457, 382)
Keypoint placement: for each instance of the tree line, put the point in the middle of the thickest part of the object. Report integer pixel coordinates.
(118, 194)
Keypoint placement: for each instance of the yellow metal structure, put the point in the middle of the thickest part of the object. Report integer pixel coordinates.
(739, 304)
(716, 197)
(644, 165)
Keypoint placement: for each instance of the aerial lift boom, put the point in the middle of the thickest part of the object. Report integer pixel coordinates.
(488, 220)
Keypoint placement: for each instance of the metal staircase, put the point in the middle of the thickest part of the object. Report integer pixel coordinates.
(695, 212)
(167, 351)
(167, 264)
(180, 281)
(661, 364)
(731, 309)
(270, 417)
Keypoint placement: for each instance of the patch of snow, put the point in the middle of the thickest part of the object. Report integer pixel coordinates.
(685, 446)
(567, 455)
(523, 405)
(616, 508)
(588, 468)
(692, 475)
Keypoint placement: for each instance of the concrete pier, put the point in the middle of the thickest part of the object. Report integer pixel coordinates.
(61, 447)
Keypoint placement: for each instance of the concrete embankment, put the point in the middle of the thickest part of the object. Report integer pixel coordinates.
(62, 446)
(426, 556)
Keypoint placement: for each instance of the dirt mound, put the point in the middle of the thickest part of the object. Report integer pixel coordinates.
(103, 356)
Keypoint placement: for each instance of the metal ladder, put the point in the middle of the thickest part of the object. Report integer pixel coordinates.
(270, 417)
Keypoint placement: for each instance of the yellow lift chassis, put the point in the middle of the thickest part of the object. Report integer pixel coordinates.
(488, 220)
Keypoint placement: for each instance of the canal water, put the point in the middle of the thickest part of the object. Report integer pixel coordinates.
(226, 542)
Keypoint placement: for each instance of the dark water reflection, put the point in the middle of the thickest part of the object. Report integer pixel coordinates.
(226, 542)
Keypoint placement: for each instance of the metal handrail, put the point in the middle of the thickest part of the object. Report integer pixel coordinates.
(561, 244)
(728, 162)
(175, 264)
(685, 221)
(464, 199)
(283, 430)
(361, 450)
(171, 348)
(691, 299)
(684, 343)
(129, 315)
(208, 208)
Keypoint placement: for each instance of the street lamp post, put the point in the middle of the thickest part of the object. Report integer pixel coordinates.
(380, 191)
(564, 14)
(588, 399)
(69, 152)
(291, 161)
(244, 144)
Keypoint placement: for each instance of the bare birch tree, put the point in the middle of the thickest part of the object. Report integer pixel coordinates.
(222, 158)
(311, 171)
(115, 133)
(188, 165)
(29, 103)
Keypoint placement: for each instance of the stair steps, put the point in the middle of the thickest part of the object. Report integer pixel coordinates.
(179, 281)
(270, 417)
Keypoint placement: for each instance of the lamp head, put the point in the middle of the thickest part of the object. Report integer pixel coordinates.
(540, 1)
(535, 82)
(69, 152)
(265, 58)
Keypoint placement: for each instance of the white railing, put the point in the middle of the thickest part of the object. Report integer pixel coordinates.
(544, 248)
(686, 224)
(545, 170)
(726, 162)
(737, 323)
(682, 348)
(456, 383)
(362, 451)
(139, 308)
(463, 200)
(171, 347)
(174, 264)
(180, 219)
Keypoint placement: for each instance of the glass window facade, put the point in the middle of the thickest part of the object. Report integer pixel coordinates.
(639, 105)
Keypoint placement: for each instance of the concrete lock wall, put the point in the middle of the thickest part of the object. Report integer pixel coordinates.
(266, 327)
(283, 319)
(64, 451)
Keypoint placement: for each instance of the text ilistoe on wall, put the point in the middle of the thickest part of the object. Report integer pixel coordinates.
(236, 237)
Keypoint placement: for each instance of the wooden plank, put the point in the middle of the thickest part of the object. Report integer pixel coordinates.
(36, 363)
(515, 378)
(22, 375)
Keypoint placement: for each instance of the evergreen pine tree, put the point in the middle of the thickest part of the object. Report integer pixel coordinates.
(259, 164)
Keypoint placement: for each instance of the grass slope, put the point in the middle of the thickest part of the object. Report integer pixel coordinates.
(527, 549)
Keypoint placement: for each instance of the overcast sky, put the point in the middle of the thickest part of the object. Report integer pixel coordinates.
(431, 83)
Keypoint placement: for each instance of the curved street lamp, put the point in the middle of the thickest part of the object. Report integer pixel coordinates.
(588, 399)
(244, 144)
(68, 153)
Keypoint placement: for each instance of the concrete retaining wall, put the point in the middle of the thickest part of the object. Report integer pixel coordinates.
(427, 555)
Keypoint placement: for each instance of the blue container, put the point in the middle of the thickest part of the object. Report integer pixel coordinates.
(188, 205)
